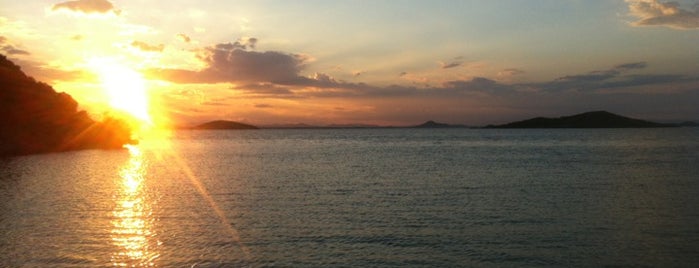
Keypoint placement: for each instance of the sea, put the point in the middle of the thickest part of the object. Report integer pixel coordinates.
(360, 198)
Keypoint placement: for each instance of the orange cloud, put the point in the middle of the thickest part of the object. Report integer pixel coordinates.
(146, 47)
(87, 6)
(184, 38)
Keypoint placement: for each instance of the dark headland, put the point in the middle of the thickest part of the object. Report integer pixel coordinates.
(596, 119)
(223, 124)
(34, 118)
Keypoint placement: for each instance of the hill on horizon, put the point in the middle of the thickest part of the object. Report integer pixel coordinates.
(595, 119)
(433, 124)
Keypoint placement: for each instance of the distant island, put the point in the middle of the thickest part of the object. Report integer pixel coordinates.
(433, 124)
(596, 119)
(223, 124)
(34, 118)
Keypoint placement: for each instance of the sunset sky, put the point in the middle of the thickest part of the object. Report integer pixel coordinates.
(372, 62)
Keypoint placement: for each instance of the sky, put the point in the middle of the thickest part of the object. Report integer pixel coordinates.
(364, 62)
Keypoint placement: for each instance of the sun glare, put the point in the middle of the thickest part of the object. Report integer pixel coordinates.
(124, 88)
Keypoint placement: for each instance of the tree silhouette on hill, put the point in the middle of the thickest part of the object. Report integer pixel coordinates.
(34, 118)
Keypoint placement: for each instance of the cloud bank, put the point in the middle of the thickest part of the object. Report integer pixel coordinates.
(10, 49)
(669, 14)
(278, 78)
(235, 63)
(273, 74)
(615, 77)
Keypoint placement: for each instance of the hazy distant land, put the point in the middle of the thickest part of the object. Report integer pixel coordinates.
(223, 124)
(34, 118)
(596, 119)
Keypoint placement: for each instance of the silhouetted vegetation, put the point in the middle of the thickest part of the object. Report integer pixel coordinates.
(597, 119)
(34, 118)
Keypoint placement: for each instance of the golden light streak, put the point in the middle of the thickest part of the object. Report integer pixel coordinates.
(212, 203)
(161, 147)
(164, 145)
(131, 228)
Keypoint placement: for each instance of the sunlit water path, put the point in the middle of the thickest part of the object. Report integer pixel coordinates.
(132, 232)
(360, 197)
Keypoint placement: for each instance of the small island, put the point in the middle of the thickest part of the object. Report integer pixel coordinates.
(596, 119)
(433, 124)
(223, 124)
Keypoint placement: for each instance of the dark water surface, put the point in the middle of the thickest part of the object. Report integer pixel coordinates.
(361, 198)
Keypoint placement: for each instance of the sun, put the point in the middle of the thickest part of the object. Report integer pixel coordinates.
(125, 88)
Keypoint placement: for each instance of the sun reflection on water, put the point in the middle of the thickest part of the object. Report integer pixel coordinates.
(132, 231)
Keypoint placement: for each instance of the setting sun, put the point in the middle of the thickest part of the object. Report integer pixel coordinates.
(124, 87)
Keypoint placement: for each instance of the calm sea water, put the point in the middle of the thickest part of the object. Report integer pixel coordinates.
(360, 198)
